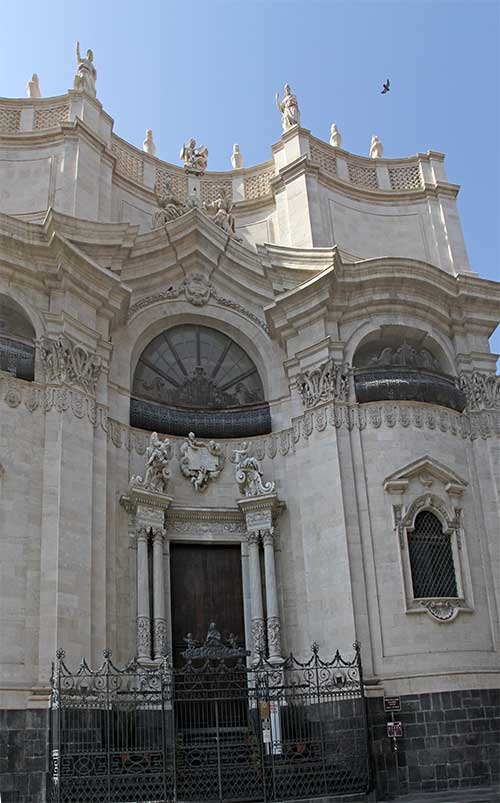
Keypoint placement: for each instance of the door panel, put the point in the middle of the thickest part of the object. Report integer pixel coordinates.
(206, 587)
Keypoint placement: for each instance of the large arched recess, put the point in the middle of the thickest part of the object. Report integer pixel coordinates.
(152, 321)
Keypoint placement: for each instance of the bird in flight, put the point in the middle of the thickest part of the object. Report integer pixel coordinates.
(386, 87)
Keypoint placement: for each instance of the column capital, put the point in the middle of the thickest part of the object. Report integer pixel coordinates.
(268, 536)
(260, 511)
(142, 533)
(253, 537)
(158, 534)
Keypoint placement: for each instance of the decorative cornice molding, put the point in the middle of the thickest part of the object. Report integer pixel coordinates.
(36, 397)
(197, 290)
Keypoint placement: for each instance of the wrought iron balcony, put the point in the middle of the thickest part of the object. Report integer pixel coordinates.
(17, 358)
(400, 383)
(231, 422)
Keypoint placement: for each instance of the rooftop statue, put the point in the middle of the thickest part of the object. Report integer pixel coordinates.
(169, 206)
(33, 87)
(289, 109)
(195, 159)
(86, 74)
(221, 213)
(376, 148)
(148, 145)
(335, 137)
(236, 157)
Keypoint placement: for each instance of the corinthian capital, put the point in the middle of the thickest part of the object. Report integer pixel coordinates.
(64, 360)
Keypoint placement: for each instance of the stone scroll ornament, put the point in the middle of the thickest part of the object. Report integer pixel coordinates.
(249, 473)
(66, 361)
(157, 474)
(329, 382)
(200, 462)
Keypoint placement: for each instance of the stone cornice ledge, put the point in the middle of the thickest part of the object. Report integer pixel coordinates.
(36, 397)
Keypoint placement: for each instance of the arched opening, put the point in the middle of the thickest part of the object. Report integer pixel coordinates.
(17, 337)
(431, 558)
(195, 378)
(403, 363)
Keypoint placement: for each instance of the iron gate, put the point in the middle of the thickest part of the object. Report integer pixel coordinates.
(215, 730)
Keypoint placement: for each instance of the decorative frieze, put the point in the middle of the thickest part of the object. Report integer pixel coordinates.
(65, 361)
(482, 391)
(328, 382)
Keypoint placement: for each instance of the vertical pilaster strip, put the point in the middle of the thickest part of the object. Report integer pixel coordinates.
(143, 615)
(258, 629)
(273, 618)
(159, 620)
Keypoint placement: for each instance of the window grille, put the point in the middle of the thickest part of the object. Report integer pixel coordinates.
(431, 558)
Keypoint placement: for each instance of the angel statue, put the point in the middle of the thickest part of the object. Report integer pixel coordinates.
(195, 159)
(157, 466)
(86, 73)
(169, 206)
(249, 473)
(288, 108)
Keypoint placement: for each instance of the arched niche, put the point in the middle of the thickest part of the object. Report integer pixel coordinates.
(17, 340)
(397, 362)
(194, 377)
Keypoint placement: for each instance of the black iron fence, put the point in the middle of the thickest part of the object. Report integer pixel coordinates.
(215, 730)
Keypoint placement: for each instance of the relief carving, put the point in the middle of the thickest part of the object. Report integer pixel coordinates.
(259, 636)
(66, 361)
(249, 473)
(441, 609)
(200, 462)
(329, 382)
(482, 391)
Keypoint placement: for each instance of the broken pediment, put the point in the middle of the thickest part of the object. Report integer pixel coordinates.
(427, 471)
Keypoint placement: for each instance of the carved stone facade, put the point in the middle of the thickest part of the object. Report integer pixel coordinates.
(102, 257)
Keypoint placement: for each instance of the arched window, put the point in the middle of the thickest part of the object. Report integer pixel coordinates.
(194, 378)
(431, 558)
(17, 353)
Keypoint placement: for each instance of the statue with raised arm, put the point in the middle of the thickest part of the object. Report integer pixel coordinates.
(288, 108)
(86, 74)
(157, 473)
(195, 158)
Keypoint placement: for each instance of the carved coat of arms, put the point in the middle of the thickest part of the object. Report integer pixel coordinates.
(200, 462)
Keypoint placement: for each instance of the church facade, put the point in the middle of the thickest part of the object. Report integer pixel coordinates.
(258, 404)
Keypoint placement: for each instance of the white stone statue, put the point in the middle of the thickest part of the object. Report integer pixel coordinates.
(220, 212)
(33, 87)
(86, 74)
(249, 473)
(169, 206)
(335, 136)
(157, 466)
(376, 148)
(236, 157)
(288, 108)
(200, 462)
(195, 159)
(148, 145)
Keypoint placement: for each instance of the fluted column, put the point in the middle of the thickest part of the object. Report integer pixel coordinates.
(258, 629)
(143, 612)
(159, 619)
(273, 618)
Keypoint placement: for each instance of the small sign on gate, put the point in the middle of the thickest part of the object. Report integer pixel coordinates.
(394, 730)
(392, 703)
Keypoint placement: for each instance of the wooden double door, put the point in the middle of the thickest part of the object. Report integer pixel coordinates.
(206, 586)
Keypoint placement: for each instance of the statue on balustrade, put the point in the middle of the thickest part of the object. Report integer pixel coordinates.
(220, 211)
(195, 158)
(288, 108)
(249, 475)
(148, 146)
(376, 148)
(33, 87)
(335, 136)
(86, 74)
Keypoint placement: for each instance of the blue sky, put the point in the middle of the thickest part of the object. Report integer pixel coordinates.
(211, 69)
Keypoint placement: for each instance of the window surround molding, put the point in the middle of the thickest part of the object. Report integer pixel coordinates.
(427, 485)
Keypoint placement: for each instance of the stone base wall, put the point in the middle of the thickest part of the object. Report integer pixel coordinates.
(23, 755)
(451, 740)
